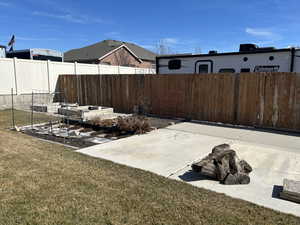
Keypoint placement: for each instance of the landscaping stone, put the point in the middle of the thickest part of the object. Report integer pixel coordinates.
(291, 190)
(98, 140)
(50, 108)
(85, 113)
(74, 133)
(39, 108)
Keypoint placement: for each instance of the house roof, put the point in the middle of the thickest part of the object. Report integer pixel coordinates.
(100, 49)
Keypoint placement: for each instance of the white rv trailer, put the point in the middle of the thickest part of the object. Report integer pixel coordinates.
(2, 51)
(36, 54)
(250, 58)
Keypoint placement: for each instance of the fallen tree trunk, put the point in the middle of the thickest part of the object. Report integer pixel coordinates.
(224, 165)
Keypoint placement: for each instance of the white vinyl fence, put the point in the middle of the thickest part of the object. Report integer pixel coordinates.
(24, 76)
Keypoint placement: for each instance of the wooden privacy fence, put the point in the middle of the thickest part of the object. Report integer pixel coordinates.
(253, 99)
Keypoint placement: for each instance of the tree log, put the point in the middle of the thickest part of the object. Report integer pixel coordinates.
(224, 165)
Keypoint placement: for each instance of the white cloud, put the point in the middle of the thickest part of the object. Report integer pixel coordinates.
(34, 39)
(69, 17)
(4, 4)
(264, 36)
(112, 34)
(171, 41)
(24, 38)
(260, 32)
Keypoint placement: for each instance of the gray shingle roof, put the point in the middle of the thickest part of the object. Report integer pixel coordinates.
(99, 49)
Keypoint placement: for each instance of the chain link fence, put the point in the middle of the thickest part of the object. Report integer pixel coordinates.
(37, 107)
(38, 114)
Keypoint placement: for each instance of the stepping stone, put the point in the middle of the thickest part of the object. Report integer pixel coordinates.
(291, 190)
(98, 140)
(39, 108)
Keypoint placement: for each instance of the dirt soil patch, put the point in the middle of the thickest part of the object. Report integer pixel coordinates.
(75, 142)
(86, 134)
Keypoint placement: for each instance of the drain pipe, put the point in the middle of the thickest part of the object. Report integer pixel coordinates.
(293, 51)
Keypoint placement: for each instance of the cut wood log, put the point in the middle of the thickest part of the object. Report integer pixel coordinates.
(237, 178)
(224, 165)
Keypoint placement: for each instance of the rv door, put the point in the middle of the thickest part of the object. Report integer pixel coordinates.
(204, 66)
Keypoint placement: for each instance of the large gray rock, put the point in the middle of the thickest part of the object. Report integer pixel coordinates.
(224, 165)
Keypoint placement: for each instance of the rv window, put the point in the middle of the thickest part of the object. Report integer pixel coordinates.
(174, 64)
(203, 68)
(227, 70)
(245, 70)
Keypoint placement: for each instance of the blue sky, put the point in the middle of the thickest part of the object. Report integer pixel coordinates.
(183, 25)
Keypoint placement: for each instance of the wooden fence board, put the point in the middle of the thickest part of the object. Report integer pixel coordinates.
(296, 112)
(248, 99)
(255, 99)
(268, 100)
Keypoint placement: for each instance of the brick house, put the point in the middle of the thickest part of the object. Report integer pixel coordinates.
(111, 52)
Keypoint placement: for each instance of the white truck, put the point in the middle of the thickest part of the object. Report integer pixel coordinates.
(250, 58)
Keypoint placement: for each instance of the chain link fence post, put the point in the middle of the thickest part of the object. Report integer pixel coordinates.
(12, 109)
(31, 118)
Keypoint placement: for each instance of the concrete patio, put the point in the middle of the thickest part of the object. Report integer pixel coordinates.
(170, 152)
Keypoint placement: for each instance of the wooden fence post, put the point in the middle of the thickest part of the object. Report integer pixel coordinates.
(236, 98)
(77, 79)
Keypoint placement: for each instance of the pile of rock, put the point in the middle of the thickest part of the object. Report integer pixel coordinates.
(224, 165)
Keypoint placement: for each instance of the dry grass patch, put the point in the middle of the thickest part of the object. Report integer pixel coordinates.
(22, 118)
(45, 183)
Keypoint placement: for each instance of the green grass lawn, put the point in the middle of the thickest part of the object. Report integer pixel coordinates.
(43, 183)
(22, 118)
